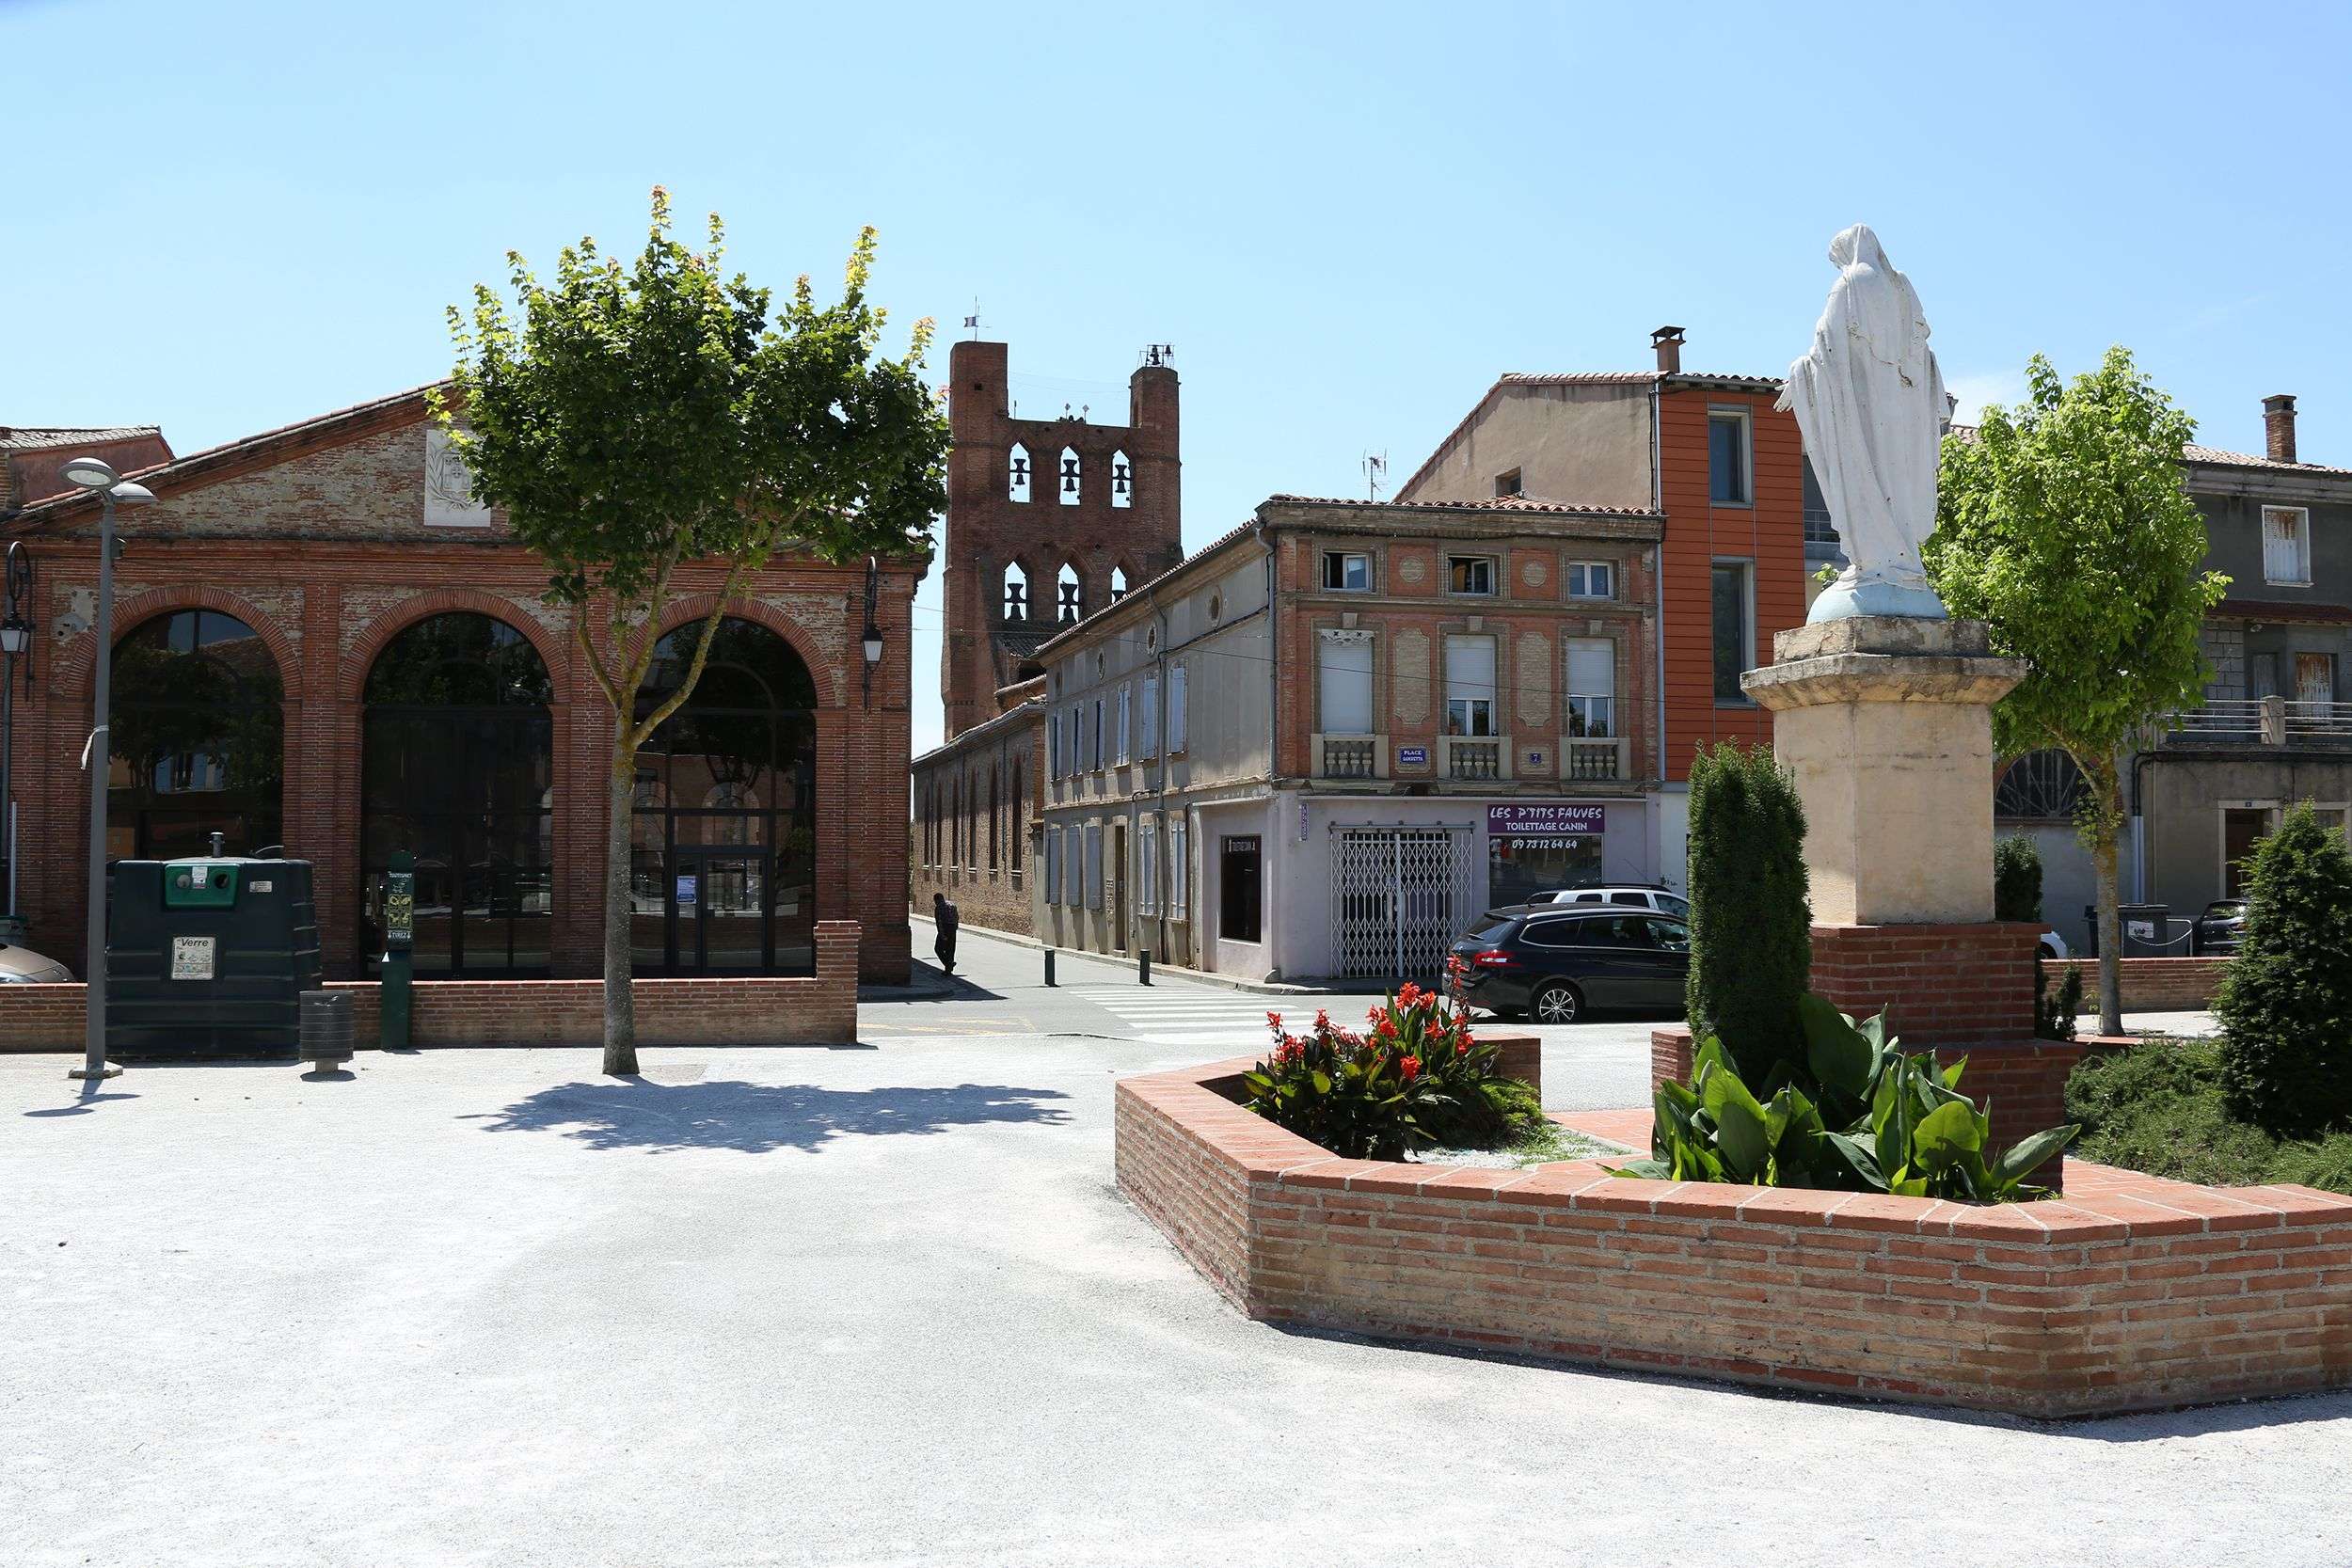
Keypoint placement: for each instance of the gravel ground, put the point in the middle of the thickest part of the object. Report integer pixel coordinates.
(885, 1306)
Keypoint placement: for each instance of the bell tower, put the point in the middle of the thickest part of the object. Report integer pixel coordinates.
(1048, 520)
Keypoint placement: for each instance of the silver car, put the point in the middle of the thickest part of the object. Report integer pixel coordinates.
(22, 966)
(1629, 896)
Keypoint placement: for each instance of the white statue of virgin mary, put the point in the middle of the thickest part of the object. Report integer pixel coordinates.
(1871, 403)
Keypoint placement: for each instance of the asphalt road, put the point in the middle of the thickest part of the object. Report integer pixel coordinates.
(883, 1305)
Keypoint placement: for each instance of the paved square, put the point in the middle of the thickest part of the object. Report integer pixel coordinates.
(884, 1306)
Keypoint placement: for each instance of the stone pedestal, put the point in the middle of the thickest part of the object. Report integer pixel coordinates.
(1887, 725)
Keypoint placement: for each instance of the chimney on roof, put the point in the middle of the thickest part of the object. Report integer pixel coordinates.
(1667, 340)
(2278, 427)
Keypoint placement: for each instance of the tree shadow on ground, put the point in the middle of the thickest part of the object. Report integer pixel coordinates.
(636, 1112)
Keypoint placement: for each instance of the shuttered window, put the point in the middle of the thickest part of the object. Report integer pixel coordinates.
(1343, 681)
(1469, 685)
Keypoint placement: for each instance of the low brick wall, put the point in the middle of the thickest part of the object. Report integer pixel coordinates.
(2150, 984)
(2132, 1293)
(1938, 983)
(2019, 1084)
(752, 1010)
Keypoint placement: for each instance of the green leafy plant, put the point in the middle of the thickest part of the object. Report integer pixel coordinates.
(1416, 1077)
(1877, 1120)
(2062, 525)
(2285, 1002)
(2159, 1107)
(657, 430)
(2055, 1015)
(2017, 878)
(1751, 932)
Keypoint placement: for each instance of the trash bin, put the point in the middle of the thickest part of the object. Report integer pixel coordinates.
(2147, 930)
(326, 1027)
(209, 957)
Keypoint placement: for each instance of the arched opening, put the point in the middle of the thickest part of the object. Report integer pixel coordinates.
(1069, 493)
(1122, 480)
(1016, 592)
(1070, 601)
(724, 851)
(198, 718)
(1118, 583)
(1017, 473)
(458, 766)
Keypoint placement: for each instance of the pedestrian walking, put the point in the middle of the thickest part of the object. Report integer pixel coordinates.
(943, 911)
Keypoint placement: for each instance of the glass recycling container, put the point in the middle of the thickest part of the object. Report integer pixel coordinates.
(209, 957)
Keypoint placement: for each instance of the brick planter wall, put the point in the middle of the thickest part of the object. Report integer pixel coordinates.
(1940, 982)
(2020, 1085)
(2133, 1293)
(759, 1010)
(2150, 984)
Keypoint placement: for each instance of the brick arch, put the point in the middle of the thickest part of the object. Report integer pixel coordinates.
(77, 662)
(820, 668)
(352, 685)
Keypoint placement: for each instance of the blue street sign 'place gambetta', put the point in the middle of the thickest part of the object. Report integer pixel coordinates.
(1547, 818)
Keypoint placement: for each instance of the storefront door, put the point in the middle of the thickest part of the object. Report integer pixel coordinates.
(719, 910)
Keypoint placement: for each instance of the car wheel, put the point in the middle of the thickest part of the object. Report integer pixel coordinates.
(1555, 1003)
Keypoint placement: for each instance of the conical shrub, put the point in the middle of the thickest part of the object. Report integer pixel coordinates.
(1751, 920)
(2285, 1003)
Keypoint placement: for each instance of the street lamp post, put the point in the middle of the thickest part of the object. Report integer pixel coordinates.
(109, 487)
(16, 640)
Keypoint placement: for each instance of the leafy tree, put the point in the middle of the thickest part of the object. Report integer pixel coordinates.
(2285, 1006)
(2062, 524)
(640, 422)
(2016, 878)
(1750, 915)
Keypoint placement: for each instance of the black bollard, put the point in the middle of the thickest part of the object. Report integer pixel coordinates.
(1143, 966)
(1049, 967)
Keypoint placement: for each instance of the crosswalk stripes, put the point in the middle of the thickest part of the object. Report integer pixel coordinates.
(1233, 1023)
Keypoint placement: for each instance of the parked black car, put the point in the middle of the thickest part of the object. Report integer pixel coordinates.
(2222, 927)
(1553, 962)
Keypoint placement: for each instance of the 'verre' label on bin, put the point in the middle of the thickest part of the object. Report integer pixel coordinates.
(192, 958)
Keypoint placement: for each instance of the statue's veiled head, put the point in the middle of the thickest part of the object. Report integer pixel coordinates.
(1857, 244)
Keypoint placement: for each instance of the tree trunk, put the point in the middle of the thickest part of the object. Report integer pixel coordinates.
(2103, 855)
(620, 1001)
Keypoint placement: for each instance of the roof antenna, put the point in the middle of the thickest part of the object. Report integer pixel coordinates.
(1375, 467)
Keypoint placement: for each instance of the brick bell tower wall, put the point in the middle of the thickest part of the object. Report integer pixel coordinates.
(983, 648)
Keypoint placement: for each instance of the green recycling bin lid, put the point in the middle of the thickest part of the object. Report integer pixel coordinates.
(201, 885)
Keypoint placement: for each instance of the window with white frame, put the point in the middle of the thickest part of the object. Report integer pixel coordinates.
(1147, 867)
(1728, 468)
(1733, 607)
(1094, 865)
(1469, 685)
(1591, 688)
(1151, 724)
(1346, 572)
(1343, 681)
(1176, 866)
(1119, 754)
(2286, 545)
(1592, 580)
(1176, 709)
(1470, 574)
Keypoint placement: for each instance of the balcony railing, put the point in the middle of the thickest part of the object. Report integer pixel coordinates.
(1591, 759)
(1473, 759)
(2261, 721)
(1349, 757)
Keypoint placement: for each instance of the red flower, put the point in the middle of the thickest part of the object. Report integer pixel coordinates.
(1383, 1027)
(1411, 996)
(1461, 1047)
(1323, 1021)
(1410, 1068)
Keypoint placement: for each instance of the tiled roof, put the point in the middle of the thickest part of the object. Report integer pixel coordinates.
(2221, 459)
(20, 437)
(1495, 503)
(2308, 610)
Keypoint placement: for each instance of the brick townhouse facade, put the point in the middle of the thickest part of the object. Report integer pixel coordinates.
(1324, 743)
(1742, 525)
(323, 643)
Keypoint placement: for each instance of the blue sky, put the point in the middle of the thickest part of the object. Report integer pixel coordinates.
(1347, 219)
